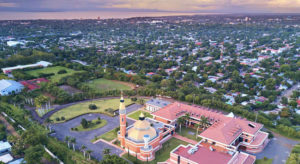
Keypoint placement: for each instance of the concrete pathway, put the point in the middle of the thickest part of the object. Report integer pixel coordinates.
(84, 138)
(185, 139)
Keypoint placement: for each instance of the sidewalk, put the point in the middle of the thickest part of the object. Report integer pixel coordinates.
(185, 139)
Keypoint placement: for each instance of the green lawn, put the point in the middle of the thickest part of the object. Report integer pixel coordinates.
(187, 132)
(161, 155)
(102, 85)
(263, 161)
(55, 69)
(83, 108)
(92, 126)
(108, 136)
(136, 114)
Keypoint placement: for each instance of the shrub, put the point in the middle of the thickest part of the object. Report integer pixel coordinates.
(133, 99)
(62, 118)
(62, 71)
(84, 123)
(76, 129)
(57, 119)
(92, 107)
(98, 122)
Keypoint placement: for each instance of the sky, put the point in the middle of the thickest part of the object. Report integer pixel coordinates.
(34, 9)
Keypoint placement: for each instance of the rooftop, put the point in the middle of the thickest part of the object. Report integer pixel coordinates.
(158, 102)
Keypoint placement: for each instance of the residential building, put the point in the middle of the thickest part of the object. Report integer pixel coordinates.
(8, 87)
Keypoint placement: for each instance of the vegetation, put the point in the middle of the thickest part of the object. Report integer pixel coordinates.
(83, 108)
(108, 136)
(295, 155)
(105, 85)
(189, 133)
(90, 125)
(264, 161)
(56, 71)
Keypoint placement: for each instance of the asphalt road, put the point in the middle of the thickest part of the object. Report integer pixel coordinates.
(278, 149)
(84, 138)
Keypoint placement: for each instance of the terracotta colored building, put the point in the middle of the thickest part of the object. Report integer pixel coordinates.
(225, 132)
(144, 137)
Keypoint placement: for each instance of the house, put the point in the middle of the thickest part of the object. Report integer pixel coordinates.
(38, 64)
(150, 74)
(4, 147)
(156, 104)
(18, 161)
(6, 158)
(8, 87)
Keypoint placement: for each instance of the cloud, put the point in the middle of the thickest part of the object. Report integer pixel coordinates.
(227, 6)
(7, 4)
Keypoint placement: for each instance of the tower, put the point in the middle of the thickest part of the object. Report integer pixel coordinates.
(122, 112)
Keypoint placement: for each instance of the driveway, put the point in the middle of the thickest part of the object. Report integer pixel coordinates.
(84, 138)
(278, 149)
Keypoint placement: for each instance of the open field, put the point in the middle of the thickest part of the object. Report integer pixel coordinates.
(136, 114)
(188, 133)
(103, 85)
(83, 108)
(55, 69)
(93, 125)
(161, 155)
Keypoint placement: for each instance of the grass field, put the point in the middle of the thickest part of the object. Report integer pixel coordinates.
(108, 136)
(93, 125)
(161, 155)
(102, 85)
(136, 114)
(55, 69)
(83, 108)
(264, 161)
(188, 133)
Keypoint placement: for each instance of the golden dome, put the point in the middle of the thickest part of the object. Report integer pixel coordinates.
(141, 128)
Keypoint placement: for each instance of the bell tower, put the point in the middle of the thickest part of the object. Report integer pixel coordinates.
(122, 112)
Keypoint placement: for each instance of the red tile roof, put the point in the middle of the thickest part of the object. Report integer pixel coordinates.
(203, 155)
(33, 84)
(224, 129)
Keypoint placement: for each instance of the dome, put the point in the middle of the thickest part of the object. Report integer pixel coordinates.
(141, 128)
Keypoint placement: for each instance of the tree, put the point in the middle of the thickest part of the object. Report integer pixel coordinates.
(89, 152)
(34, 154)
(270, 84)
(84, 123)
(67, 139)
(106, 151)
(187, 119)
(180, 121)
(73, 141)
(83, 150)
(204, 121)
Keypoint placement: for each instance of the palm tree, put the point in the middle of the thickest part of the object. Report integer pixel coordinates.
(197, 125)
(73, 141)
(180, 121)
(67, 139)
(83, 150)
(204, 121)
(186, 118)
(106, 151)
(89, 153)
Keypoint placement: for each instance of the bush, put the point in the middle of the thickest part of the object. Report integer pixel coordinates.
(92, 107)
(133, 99)
(98, 122)
(76, 129)
(57, 119)
(62, 71)
(62, 118)
(84, 123)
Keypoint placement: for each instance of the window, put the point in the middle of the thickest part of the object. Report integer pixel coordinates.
(178, 159)
(251, 125)
(246, 140)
